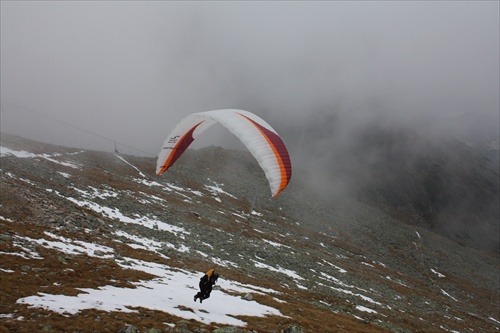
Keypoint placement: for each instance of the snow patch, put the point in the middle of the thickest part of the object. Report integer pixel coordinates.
(365, 309)
(278, 269)
(4, 151)
(171, 291)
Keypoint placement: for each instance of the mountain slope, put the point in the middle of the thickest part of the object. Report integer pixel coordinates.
(422, 175)
(100, 242)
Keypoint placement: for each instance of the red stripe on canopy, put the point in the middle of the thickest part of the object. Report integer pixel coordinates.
(280, 152)
(179, 148)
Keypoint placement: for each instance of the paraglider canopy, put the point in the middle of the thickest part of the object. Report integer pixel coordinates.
(257, 135)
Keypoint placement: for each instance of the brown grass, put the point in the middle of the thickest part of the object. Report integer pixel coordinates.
(304, 308)
(315, 312)
(71, 272)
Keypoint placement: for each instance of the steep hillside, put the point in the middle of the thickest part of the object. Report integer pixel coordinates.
(93, 241)
(476, 129)
(422, 175)
(447, 187)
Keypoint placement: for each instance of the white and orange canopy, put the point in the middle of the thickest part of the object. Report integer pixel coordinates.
(257, 135)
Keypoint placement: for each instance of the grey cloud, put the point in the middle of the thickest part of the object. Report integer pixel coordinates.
(130, 70)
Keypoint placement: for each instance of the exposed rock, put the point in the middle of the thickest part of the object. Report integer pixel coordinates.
(154, 330)
(227, 329)
(178, 330)
(292, 328)
(99, 253)
(129, 329)
(180, 327)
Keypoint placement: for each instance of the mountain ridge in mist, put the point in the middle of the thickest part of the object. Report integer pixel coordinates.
(424, 173)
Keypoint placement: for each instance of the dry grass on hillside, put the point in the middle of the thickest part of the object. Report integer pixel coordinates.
(59, 273)
(62, 274)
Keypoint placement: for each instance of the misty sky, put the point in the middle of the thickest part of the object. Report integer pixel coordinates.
(129, 71)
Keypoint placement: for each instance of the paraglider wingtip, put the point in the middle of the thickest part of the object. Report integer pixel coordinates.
(161, 170)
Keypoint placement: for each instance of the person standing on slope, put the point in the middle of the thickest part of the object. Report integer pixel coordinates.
(206, 283)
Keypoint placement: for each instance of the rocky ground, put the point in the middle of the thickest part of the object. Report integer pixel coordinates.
(334, 266)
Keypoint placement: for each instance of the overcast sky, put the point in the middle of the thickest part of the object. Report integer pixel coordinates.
(129, 70)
